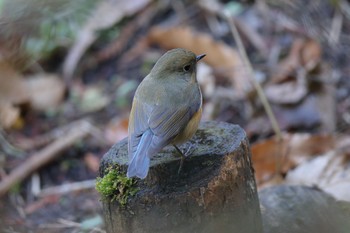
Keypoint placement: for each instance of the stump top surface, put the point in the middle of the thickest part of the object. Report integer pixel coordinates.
(212, 138)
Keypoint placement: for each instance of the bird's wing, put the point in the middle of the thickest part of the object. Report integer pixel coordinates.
(164, 122)
(138, 124)
(167, 122)
(151, 128)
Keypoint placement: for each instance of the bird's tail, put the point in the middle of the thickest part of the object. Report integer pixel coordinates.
(140, 161)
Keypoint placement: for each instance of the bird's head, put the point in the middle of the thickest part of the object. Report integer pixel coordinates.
(177, 63)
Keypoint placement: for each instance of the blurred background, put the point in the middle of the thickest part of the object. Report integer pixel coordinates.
(69, 69)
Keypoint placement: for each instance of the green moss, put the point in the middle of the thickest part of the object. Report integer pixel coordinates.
(115, 186)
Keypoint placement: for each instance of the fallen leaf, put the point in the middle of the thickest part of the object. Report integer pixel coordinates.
(12, 92)
(288, 92)
(107, 13)
(39, 204)
(12, 88)
(122, 93)
(314, 160)
(46, 91)
(206, 79)
(92, 99)
(303, 115)
(304, 53)
(328, 172)
(92, 162)
(220, 56)
(292, 150)
(259, 126)
(289, 64)
(116, 129)
(245, 23)
(311, 53)
(41, 91)
(9, 114)
(265, 155)
(303, 146)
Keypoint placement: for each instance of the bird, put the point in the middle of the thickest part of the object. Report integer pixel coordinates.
(166, 109)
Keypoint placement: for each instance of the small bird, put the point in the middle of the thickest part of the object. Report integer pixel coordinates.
(166, 109)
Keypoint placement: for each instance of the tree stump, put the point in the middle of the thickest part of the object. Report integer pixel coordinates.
(215, 190)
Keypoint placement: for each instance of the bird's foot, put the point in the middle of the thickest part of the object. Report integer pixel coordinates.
(188, 152)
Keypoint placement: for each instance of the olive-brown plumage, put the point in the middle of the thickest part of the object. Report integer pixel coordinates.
(166, 109)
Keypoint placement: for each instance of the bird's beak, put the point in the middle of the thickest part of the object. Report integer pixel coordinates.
(200, 57)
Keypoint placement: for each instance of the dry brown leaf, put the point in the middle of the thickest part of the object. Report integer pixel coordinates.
(41, 203)
(264, 155)
(311, 54)
(288, 92)
(46, 91)
(343, 146)
(116, 130)
(8, 114)
(329, 172)
(107, 13)
(289, 64)
(294, 149)
(304, 146)
(12, 88)
(41, 91)
(304, 56)
(319, 160)
(305, 53)
(92, 162)
(12, 92)
(220, 56)
(93, 98)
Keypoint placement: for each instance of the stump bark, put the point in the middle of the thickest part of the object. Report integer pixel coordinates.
(215, 190)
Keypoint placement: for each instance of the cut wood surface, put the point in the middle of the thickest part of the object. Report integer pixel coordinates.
(215, 190)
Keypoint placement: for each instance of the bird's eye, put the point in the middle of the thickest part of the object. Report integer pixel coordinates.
(187, 68)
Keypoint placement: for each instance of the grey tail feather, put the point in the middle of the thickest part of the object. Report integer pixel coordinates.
(139, 164)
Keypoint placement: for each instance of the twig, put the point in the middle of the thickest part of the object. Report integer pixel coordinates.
(64, 223)
(116, 46)
(214, 8)
(251, 75)
(80, 130)
(255, 39)
(66, 188)
(257, 86)
(344, 6)
(7, 147)
(46, 138)
(337, 24)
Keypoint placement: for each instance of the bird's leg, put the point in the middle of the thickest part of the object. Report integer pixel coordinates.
(188, 152)
(182, 158)
(179, 151)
